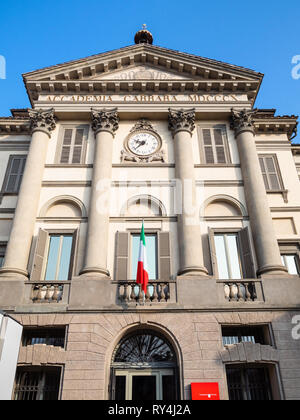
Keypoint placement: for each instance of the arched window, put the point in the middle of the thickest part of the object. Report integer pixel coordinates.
(144, 367)
(144, 347)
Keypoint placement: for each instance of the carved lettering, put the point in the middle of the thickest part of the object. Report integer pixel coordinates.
(192, 98)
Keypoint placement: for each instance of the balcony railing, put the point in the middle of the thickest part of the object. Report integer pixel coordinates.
(131, 292)
(242, 291)
(48, 292)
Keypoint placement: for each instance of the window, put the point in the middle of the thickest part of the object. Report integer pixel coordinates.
(231, 254)
(291, 262)
(14, 174)
(214, 145)
(245, 334)
(49, 336)
(290, 256)
(2, 253)
(151, 248)
(228, 259)
(158, 254)
(247, 383)
(270, 171)
(59, 257)
(73, 145)
(34, 384)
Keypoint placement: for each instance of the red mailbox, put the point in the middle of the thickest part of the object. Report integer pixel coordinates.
(205, 392)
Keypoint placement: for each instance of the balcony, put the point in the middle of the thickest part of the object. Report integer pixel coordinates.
(129, 292)
(47, 292)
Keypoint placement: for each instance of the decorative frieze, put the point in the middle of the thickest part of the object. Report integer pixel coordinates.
(181, 120)
(42, 120)
(105, 120)
(242, 120)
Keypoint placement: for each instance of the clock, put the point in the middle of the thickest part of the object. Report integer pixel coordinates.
(143, 143)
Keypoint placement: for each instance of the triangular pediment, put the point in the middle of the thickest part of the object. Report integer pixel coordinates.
(143, 68)
(172, 63)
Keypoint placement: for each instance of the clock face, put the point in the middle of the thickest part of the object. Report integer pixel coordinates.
(143, 144)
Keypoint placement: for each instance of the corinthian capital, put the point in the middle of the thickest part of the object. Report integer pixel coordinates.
(242, 120)
(105, 120)
(181, 120)
(42, 120)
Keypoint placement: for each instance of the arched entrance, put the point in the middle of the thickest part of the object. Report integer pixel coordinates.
(144, 367)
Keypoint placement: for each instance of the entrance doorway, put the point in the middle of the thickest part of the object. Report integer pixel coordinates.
(144, 368)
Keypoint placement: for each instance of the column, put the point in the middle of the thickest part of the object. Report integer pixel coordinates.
(266, 245)
(104, 123)
(182, 125)
(18, 248)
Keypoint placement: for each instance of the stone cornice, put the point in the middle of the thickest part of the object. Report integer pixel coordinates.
(276, 125)
(127, 56)
(16, 126)
(106, 87)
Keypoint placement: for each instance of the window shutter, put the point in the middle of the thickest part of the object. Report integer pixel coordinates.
(264, 172)
(208, 147)
(274, 182)
(164, 256)
(66, 147)
(122, 256)
(270, 173)
(39, 256)
(214, 263)
(220, 147)
(78, 145)
(15, 174)
(246, 254)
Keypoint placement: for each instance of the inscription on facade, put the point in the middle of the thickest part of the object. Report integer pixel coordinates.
(193, 98)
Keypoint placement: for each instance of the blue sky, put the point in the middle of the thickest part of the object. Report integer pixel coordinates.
(261, 35)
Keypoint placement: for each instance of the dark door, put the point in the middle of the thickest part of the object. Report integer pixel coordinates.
(144, 388)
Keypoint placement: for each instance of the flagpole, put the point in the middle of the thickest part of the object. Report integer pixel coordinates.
(144, 296)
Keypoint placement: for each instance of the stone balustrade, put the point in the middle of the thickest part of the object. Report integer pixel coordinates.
(157, 292)
(49, 292)
(240, 291)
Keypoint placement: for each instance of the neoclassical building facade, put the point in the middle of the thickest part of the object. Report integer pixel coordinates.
(148, 134)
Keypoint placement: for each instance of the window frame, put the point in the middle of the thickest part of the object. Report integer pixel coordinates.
(265, 333)
(291, 248)
(42, 369)
(7, 175)
(211, 127)
(130, 256)
(60, 143)
(47, 331)
(74, 234)
(244, 367)
(214, 261)
(3, 244)
(281, 189)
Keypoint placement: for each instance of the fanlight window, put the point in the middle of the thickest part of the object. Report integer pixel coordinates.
(144, 347)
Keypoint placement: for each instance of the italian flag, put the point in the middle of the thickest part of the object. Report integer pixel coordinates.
(142, 271)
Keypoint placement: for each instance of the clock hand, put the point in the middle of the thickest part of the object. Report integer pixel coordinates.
(141, 143)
